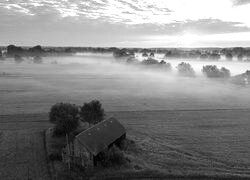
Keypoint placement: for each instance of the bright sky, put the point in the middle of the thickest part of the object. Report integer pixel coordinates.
(125, 23)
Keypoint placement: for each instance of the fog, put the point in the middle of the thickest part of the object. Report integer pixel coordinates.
(120, 87)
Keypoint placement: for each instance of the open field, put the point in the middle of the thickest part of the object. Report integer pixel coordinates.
(183, 125)
(192, 142)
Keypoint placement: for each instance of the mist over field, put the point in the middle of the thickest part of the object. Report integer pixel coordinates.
(28, 87)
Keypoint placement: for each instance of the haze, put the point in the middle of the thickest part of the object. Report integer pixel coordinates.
(33, 88)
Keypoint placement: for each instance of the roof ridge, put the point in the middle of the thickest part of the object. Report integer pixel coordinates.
(111, 117)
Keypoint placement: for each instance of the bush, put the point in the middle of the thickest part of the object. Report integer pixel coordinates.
(111, 157)
(212, 71)
(185, 69)
(65, 117)
(92, 112)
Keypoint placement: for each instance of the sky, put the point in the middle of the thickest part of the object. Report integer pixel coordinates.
(125, 23)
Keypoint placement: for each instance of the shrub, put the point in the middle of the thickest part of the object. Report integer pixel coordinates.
(92, 112)
(185, 69)
(112, 156)
(65, 117)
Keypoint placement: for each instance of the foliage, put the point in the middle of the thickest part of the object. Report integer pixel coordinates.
(152, 54)
(144, 54)
(229, 56)
(150, 61)
(37, 59)
(118, 53)
(185, 69)
(64, 116)
(18, 58)
(213, 72)
(111, 157)
(92, 112)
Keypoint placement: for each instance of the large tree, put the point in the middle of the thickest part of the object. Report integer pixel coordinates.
(65, 117)
(92, 112)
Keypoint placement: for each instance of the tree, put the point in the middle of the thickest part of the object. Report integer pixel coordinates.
(144, 54)
(203, 56)
(119, 53)
(150, 61)
(18, 58)
(229, 56)
(166, 65)
(65, 116)
(240, 57)
(13, 50)
(92, 112)
(37, 60)
(212, 71)
(185, 69)
(225, 73)
(152, 54)
(214, 56)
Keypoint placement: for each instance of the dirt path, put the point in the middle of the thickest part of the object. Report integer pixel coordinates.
(23, 156)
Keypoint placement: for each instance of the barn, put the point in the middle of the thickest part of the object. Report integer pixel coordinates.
(84, 147)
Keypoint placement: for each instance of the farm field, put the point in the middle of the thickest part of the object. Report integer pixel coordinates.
(183, 125)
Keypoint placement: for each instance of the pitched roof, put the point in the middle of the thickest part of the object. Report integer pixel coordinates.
(100, 136)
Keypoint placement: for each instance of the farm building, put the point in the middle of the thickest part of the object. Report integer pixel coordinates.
(85, 146)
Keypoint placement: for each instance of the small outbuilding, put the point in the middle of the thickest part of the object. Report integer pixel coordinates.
(84, 147)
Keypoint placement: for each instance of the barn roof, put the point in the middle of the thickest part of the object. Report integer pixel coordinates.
(100, 136)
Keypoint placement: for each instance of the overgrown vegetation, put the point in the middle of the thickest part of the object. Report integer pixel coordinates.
(112, 157)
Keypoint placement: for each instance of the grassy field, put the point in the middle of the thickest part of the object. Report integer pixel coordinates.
(183, 125)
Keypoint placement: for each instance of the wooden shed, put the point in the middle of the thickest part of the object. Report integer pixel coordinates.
(86, 145)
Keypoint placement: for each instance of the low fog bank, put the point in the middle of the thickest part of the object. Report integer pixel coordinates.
(28, 87)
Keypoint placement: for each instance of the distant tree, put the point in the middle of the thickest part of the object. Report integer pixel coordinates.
(65, 117)
(168, 54)
(18, 58)
(214, 56)
(132, 60)
(120, 53)
(185, 69)
(37, 60)
(225, 73)
(163, 62)
(229, 56)
(240, 57)
(92, 112)
(150, 61)
(1, 55)
(144, 54)
(212, 71)
(166, 65)
(13, 50)
(152, 54)
(203, 56)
